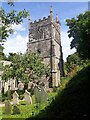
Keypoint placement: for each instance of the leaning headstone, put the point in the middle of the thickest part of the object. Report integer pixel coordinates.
(8, 107)
(37, 94)
(15, 98)
(27, 97)
(43, 95)
(40, 94)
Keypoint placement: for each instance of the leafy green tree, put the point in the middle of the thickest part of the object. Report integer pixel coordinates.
(73, 61)
(8, 73)
(2, 56)
(79, 31)
(8, 19)
(10, 56)
(26, 67)
(1, 66)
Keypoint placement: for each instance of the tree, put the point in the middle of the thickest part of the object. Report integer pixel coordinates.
(73, 61)
(26, 67)
(7, 20)
(79, 31)
(8, 73)
(10, 57)
(1, 66)
(2, 56)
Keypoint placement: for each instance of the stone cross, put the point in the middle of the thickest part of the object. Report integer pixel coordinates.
(15, 98)
(27, 97)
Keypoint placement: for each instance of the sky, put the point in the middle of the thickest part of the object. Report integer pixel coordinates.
(65, 10)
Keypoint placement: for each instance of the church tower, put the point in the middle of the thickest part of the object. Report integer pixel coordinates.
(45, 39)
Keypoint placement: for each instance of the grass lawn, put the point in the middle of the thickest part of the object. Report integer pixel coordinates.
(26, 110)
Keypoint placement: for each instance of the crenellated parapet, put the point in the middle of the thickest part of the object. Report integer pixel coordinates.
(40, 22)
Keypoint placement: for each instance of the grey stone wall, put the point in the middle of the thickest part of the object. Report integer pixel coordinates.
(42, 47)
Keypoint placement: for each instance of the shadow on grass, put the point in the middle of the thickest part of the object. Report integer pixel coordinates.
(73, 103)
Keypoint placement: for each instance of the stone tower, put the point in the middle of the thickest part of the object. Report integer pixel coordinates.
(45, 39)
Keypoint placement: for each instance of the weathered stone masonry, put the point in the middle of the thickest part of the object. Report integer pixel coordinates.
(45, 38)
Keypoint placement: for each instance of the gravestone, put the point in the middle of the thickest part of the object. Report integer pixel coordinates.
(8, 107)
(27, 97)
(6, 86)
(37, 93)
(40, 94)
(43, 95)
(30, 85)
(20, 86)
(15, 98)
(12, 84)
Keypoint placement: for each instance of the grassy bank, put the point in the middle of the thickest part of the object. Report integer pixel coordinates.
(73, 102)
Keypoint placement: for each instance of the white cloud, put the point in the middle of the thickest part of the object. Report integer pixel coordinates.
(65, 41)
(19, 27)
(64, 20)
(16, 44)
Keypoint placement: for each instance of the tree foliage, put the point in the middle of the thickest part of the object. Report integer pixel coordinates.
(10, 57)
(26, 67)
(7, 20)
(79, 31)
(73, 59)
(1, 66)
(72, 62)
